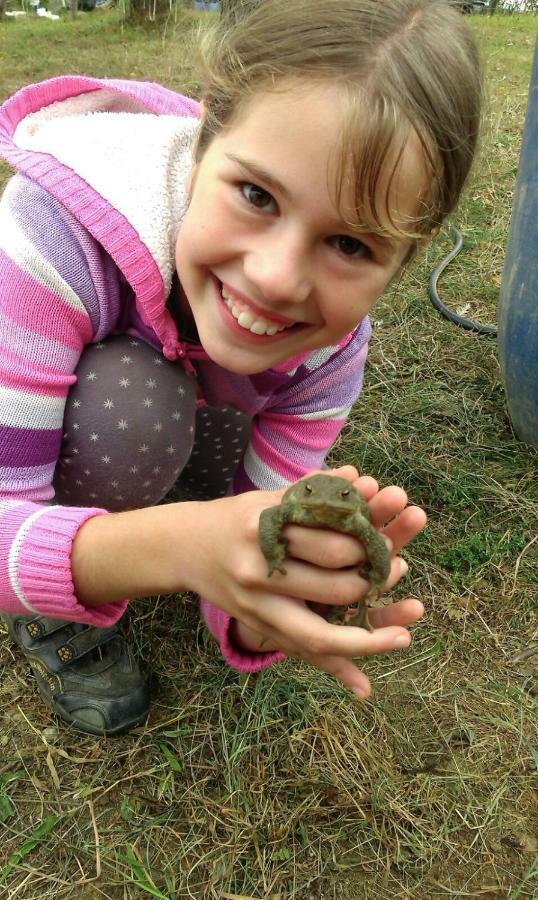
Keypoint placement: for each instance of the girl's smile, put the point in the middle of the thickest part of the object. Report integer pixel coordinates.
(269, 265)
(250, 316)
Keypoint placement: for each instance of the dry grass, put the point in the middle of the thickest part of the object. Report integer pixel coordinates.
(279, 786)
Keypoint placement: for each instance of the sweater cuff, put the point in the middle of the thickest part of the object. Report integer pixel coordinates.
(44, 568)
(219, 624)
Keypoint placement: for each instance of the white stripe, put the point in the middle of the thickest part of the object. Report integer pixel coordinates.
(337, 412)
(320, 356)
(17, 245)
(10, 504)
(265, 478)
(19, 409)
(13, 560)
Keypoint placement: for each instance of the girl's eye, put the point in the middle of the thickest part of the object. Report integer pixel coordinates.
(256, 196)
(349, 246)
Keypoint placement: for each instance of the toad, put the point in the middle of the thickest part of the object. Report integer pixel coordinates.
(328, 501)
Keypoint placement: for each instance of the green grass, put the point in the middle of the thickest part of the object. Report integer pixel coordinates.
(280, 786)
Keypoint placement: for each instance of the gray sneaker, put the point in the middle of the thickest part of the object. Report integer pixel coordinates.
(87, 675)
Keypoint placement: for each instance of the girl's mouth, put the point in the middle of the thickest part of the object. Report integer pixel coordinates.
(252, 320)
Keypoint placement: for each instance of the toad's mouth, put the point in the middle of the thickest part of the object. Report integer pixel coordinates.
(251, 319)
(322, 506)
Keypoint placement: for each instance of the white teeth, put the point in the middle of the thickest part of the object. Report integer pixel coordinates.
(259, 327)
(246, 319)
(251, 322)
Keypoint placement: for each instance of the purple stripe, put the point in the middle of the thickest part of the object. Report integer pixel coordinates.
(66, 245)
(41, 218)
(28, 447)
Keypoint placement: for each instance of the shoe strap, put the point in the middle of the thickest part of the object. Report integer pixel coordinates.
(41, 627)
(85, 641)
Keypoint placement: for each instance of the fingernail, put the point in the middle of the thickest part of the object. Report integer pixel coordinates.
(403, 641)
(404, 568)
(360, 693)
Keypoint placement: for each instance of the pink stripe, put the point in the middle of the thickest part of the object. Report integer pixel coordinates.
(44, 568)
(43, 311)
(31, 383)
(274, 451)
(9, 359)
(40, 379)
(13, 515)
(312, 434)
(289, 365)
(282, 465)
(10, 521)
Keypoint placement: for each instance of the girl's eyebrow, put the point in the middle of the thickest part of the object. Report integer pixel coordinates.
(260, 174)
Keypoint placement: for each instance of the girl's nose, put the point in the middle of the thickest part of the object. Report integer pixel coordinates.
(279, 267)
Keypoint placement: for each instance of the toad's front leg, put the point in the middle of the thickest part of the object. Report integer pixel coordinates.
(379, 569)
(272, 542)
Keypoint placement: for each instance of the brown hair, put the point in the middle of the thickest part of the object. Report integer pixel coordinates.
(404, 65)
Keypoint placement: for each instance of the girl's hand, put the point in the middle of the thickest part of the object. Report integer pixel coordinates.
(285, 612)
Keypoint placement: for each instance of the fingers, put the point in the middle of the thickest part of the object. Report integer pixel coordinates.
(328, 574)
(345, 671)
(300, 632)
(404, 612)
(318, 584)
(405, 527)
(386, 504)
(324, 548)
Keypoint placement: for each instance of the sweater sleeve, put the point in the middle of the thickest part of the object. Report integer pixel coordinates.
(54, 280)
(290, 438)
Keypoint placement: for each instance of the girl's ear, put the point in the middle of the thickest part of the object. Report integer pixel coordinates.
(418, 245)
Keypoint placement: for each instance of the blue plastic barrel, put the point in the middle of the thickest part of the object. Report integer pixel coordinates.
(518, 306)
(207, 5)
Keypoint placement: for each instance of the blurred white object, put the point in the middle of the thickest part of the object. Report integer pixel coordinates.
(44, 13)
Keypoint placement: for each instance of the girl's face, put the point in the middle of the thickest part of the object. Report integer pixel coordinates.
(268, 264)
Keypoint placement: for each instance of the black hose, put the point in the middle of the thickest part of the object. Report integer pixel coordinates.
(438, 303)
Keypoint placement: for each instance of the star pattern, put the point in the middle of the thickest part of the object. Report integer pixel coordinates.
(134, 456)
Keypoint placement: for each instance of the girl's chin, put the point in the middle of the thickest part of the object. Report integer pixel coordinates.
(248, 354)
(242, 360)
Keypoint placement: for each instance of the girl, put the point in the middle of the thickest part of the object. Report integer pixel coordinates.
(184, 294)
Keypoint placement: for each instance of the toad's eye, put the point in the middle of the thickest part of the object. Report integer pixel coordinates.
(256, 196)
(308, 488)
(349, 246)
(345, 493)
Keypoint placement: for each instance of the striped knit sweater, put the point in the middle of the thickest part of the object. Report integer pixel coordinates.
(86, 249)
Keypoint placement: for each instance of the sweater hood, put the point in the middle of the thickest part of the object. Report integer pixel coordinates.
(117, 155)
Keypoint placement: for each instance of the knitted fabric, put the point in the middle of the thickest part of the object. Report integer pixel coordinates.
(86, 250)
